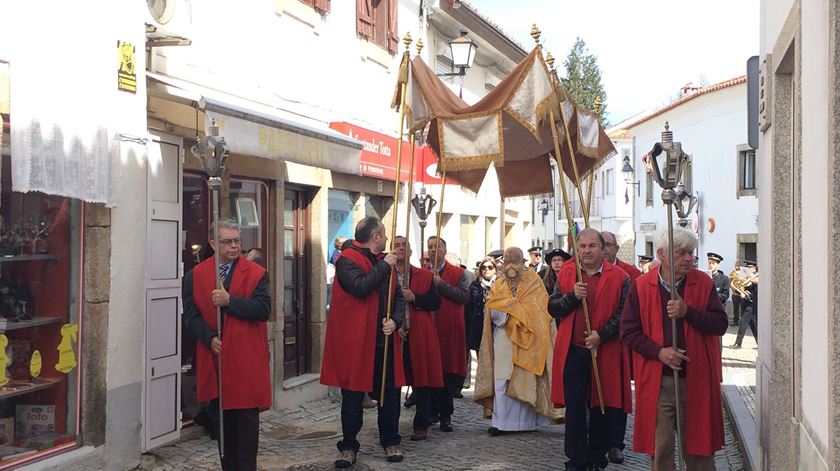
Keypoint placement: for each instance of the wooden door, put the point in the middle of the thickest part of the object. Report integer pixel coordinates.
(296, 285)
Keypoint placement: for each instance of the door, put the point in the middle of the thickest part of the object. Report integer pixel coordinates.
(162, 385)
(296, 333)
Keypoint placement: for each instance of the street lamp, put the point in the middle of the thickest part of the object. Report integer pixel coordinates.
(543, 207)
(463, 50)
(423, 204)
(629, 173)
(686, 202)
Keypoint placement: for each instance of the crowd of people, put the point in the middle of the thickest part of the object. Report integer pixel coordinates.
(557, 340)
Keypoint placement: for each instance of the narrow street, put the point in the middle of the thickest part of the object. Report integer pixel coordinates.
(304, 439)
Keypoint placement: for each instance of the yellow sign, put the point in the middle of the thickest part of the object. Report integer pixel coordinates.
(127, 61)
(35, 364)
(66, 355)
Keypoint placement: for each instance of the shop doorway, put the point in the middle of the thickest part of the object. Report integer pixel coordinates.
(296, 285)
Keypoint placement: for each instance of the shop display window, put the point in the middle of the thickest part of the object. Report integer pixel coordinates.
(40, 257)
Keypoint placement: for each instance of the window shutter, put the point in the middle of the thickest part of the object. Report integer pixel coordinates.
(393, 33)
(364, 19)
(322, 5)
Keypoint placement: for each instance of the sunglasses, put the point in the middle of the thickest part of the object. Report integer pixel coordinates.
(488, 267)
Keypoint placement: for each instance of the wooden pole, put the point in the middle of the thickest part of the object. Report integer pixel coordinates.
(403, 85)
(577, 261)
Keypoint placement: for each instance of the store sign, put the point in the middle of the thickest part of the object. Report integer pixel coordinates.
(379, 155)
(126, 73)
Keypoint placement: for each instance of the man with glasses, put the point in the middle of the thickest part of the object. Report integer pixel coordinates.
(355, 344)
(246, 306)
(536, 260)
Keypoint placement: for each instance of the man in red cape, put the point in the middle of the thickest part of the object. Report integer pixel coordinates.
(646, 329)
(454, 287)
(616, 434)
(422, 357)
(605, 288)
(246, 306)
(355, 343)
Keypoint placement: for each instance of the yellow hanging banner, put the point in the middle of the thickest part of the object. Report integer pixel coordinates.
(4, 360)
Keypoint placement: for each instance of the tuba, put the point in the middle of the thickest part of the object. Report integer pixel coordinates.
(739, 285)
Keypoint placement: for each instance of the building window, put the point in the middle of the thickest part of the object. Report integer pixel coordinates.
(608, 182)
(443, 65)
(648, 189)
(376, 21)
(322, 6)
(746, 171)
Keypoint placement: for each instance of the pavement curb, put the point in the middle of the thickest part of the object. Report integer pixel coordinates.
(744, 426)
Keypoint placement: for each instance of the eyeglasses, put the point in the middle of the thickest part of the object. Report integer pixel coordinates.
(610, 244)
(230, 241)
(488, 267)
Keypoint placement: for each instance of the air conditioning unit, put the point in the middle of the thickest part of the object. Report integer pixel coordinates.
(168, 23)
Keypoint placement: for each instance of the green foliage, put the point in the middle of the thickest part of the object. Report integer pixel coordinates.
(583, 79)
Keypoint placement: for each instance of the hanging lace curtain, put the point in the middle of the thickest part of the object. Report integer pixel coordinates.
(66, 111)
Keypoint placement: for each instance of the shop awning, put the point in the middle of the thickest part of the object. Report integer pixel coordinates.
(256, 129)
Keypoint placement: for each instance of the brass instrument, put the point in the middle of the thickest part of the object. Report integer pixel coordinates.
(739, 285)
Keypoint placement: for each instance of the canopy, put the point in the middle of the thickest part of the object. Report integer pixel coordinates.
(508, 128)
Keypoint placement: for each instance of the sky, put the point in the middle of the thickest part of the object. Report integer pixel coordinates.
(647, 49)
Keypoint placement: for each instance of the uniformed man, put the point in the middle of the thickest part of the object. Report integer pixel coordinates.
(536, 260)
(718, 277)
(644, 263)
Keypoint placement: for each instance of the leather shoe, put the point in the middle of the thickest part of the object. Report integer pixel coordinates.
(734, 346)
(495, 432)
(446, 424)
(616, 456)
(346, 459)
(419, 435)
(458, 395)
(410, 402)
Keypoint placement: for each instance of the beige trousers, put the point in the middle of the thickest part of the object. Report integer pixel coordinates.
(666, 426)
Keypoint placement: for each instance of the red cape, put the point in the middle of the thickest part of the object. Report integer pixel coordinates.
(703, 423)
(423, 344)
(449, 320)
(245, 376)
(613, 366)
(350, 344)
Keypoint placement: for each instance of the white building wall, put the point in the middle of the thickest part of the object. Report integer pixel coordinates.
(710, 128)
(815, 173)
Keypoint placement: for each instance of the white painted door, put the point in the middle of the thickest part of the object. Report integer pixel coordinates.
(162, 398)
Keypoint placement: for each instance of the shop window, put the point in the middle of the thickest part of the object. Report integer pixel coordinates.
(40, 273)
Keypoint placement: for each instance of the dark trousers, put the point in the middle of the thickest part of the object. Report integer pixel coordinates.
(423, 411)
(747, 320)
(736, 309)
(617, 420)
(388, 413)
(242, 439)
(585, 445)
(442, 398)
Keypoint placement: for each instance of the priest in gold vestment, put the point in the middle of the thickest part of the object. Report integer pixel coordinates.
(514, 361)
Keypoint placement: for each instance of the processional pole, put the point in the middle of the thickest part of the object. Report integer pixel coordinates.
(403, 84)
(212, 154)
(672, 168)
(535, 33)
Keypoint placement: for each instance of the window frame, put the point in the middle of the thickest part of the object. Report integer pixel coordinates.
(743, 150)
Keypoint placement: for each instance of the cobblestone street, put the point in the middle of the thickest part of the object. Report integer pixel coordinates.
(304, 439)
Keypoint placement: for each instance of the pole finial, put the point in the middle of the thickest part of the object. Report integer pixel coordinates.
(667, 134)
(419, 45)
(549, 59)
(535, 33)
(407, 40)
(596, 107)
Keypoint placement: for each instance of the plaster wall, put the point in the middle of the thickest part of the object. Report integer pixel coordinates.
(710, 128)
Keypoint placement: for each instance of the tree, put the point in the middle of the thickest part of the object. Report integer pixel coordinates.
(583, 79)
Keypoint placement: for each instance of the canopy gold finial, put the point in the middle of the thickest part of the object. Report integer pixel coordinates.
(597, 105)
(407, 40)
(549, 59)
(535, 33)
(419, 45)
